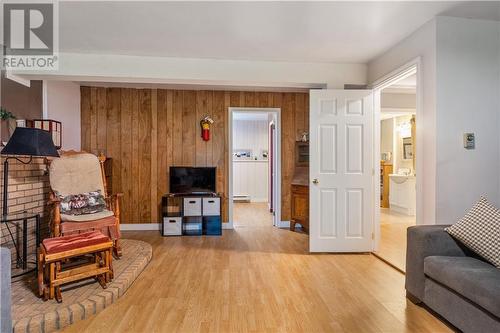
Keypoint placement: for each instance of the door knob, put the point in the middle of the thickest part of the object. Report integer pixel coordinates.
(315, 181)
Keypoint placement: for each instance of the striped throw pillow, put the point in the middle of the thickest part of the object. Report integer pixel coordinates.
(479, 230)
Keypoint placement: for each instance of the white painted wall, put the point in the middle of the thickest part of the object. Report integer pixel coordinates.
(422, 43)
(398, 157)
(251, 134)
(403, 104)
(393, 100)
(460, 62)
(140, 69)
(387, 136)
(468, 67)
(251, 178)
(61, 101)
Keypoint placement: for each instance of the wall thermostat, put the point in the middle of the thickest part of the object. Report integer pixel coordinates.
(469, 141)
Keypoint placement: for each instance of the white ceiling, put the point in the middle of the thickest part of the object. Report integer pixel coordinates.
(353, 32)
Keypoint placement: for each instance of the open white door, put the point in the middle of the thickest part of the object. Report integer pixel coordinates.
(341, 171)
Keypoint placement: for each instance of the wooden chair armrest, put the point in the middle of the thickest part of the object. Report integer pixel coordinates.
(55, 215)
(113, 197)
(113, 203)
(52, 201)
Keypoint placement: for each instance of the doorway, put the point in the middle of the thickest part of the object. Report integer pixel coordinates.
(398, 160)
(345, 166)
(254, 167)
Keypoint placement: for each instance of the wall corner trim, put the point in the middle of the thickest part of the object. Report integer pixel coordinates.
(18, 79)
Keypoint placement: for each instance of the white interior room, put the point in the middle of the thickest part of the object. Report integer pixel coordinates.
(252, 160)
(398, 199)
(382, 92)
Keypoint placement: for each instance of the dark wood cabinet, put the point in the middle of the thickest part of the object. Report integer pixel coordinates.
(385, 171)
(301, 154)
(300, 188)
(300, 207)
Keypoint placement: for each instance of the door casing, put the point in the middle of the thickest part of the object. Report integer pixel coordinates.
(413, 66)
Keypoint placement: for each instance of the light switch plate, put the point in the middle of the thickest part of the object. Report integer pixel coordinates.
(469, 141)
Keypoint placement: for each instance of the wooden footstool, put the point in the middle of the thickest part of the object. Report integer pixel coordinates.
(90, 254)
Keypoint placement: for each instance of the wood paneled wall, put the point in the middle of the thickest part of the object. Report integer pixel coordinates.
(146, 131)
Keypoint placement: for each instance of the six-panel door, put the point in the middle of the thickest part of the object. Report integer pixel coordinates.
(341, 171)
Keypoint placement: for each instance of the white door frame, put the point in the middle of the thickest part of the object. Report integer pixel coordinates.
(411, 67)
(230, 118)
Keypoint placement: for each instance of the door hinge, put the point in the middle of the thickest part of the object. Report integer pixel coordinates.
(373, 172)
(373, 235)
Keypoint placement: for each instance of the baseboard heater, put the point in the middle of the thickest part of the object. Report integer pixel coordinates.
(241, 198)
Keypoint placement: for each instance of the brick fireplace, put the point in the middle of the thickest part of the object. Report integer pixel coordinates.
(27, 190)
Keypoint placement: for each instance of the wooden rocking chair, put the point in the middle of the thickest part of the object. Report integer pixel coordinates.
(76, 173)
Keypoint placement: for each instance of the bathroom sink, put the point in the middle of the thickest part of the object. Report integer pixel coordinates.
(399, 178)
(396, 175)
(403, 193)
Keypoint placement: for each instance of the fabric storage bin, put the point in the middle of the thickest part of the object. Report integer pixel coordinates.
(211, 206)
(192, 207)
(212, 225)
(192, 226)
(172, 226)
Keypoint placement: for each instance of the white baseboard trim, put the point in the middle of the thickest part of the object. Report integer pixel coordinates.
(139, 226)
(284, 224)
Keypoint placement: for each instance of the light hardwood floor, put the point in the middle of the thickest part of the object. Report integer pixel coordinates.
(255, 214)
(393, 237)
(257, 278)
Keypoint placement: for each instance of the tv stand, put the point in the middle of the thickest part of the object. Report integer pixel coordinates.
(193, 194)
(191, 214)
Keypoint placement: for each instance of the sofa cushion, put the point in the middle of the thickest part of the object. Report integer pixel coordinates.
(479, 230)
(72, 242)
(75, 173)
(472, 278)
(108, 226)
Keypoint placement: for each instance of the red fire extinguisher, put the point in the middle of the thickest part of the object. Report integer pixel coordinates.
(205, 127)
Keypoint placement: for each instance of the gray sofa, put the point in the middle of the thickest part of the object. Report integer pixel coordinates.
(5, 311)
(452, 280)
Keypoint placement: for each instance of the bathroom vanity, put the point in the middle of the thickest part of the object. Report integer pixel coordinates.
(403, 194)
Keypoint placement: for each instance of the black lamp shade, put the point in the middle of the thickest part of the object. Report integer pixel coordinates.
(30, 142)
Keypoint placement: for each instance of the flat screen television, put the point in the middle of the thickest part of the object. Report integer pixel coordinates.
(192, 180)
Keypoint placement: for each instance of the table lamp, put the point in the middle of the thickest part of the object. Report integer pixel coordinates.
(25, 142)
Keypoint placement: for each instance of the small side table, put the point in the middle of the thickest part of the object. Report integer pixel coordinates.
(22, 255)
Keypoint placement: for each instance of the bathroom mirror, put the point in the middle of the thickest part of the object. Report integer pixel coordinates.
(407, 149)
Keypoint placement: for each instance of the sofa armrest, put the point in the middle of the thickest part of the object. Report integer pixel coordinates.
(5, 304)
(422, 242)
